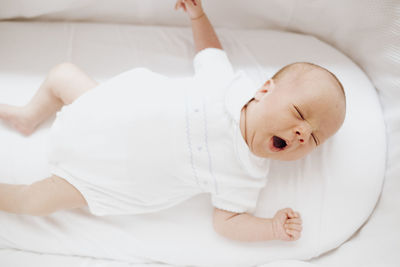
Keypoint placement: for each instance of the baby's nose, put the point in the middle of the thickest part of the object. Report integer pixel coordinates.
(303, 134)
(299, 137)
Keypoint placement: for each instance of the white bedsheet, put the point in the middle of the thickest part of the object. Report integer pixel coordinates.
(20, 258)
(119, 60)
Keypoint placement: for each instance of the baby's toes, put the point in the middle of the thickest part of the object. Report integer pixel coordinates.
(5, 111)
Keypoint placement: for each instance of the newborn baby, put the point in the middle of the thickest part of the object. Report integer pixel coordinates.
(143, 142)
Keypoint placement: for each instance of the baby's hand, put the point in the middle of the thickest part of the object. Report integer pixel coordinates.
(192, 7)
(287, 225)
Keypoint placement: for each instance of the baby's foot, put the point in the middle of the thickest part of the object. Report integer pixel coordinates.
(17, 118)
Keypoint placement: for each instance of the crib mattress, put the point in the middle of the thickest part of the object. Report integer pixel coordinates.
(104, 50)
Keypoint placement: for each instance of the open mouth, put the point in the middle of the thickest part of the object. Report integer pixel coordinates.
(277, 143)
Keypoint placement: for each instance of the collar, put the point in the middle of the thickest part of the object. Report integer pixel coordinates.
(240, 90)
(238, 93)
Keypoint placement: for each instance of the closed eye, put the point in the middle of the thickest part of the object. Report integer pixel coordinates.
(301, 115)
(315, 139)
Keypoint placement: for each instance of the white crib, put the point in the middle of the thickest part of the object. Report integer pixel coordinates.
(108, 37)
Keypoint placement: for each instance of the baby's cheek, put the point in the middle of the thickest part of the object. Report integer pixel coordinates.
(302, 151)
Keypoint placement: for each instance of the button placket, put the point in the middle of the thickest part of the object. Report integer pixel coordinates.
(195, 133)
(198, 143)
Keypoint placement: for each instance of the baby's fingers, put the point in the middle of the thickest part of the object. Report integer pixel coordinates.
(295, 220)
(180, 4)
(293, 234)
(191, 3)
(293, 214)
(293, 226)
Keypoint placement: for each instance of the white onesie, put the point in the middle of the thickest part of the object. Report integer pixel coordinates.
(141, 142)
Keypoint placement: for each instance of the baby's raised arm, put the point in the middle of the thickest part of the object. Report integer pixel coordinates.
(285, 225)
(203, 32)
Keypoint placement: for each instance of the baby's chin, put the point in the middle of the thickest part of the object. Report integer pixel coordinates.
(281, 155)
(289, 157)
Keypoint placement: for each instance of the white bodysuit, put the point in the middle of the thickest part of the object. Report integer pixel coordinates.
(141, 142)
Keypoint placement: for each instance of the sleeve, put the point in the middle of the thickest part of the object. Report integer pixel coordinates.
(239, 198)
(212, 64)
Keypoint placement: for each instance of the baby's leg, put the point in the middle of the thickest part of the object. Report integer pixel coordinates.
(40, 198)
(64, 83)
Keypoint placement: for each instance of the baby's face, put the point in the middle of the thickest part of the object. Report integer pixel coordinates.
(288, 119)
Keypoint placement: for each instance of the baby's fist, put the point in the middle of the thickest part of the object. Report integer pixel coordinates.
(192, 7)
(287, 225)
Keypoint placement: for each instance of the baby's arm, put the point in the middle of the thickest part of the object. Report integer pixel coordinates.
(203, 32)
(285, 225)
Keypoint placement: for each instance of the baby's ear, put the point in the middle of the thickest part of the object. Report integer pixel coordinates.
(269, 84)
(265, 88)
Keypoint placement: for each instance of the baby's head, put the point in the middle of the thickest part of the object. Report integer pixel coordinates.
(295, 111)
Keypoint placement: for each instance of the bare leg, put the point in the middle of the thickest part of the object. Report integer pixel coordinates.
(64, 83)
(40, 198)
